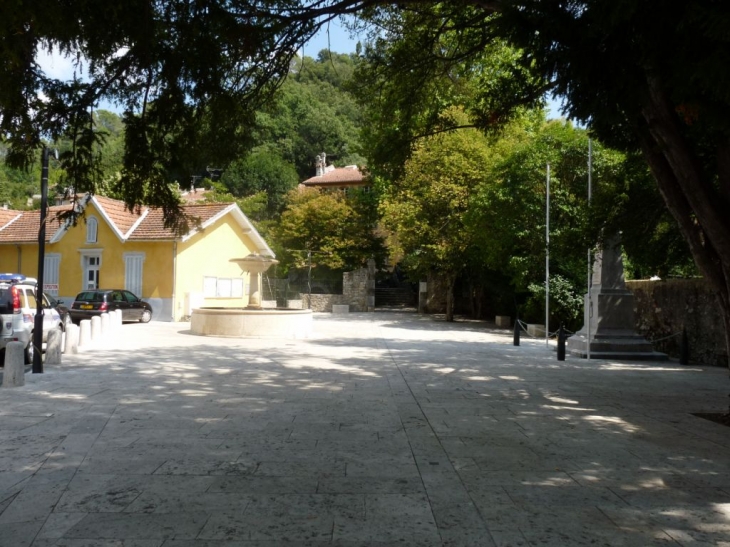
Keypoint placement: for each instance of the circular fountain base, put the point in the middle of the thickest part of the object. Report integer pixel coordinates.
(243, 322)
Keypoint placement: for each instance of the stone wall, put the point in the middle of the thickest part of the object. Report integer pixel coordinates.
(354, 289)
(322, 302)
(663, 308)
(358, 292)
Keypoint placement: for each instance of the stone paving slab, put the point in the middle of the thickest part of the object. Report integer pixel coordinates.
(382, 429)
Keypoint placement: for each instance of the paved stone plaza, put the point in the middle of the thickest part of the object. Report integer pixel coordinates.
(381, 430)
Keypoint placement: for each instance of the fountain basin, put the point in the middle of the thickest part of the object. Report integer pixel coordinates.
(244, 322)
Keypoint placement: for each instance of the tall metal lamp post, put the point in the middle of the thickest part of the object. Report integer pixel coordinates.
(38, 320)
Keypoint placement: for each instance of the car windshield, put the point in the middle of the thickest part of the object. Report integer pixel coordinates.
(90, 296)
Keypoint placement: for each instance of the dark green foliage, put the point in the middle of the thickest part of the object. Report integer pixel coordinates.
(264, 170)
(336, 228)
(314, 113)
(187, 73)
(566, 303)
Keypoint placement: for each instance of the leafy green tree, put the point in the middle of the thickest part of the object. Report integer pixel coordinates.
(314, 112)
(254, 206)
(5, 196)
(651, 239)
(263, 170)
(20, 184)
(112, 149)
(182, 71)
(508, 216)
(427, 209)
(566, 304)
(330, 226)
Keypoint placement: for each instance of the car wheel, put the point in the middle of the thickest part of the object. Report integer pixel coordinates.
(146, 316)
(28, 353)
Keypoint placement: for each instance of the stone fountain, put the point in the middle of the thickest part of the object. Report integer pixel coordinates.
(253, 320)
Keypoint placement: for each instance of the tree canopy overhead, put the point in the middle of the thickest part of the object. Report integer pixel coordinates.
(189, 72)
(188, 75)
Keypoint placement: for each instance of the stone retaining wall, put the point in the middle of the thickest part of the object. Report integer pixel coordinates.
(663, 308)
(358, 292)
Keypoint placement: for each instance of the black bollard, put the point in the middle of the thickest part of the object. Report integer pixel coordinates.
(561, 343)
(684, 349)
(517, 332)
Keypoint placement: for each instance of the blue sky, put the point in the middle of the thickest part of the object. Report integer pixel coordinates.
(334, 36)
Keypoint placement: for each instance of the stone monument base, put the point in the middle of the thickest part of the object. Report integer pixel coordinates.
(625, 348)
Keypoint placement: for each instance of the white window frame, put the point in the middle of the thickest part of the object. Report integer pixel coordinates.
(210, 284)
(92, 229)
(85, 255)
(223, 287)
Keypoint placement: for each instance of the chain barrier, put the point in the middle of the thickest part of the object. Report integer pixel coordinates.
(666, 337)
(554, 334)
(551, 335)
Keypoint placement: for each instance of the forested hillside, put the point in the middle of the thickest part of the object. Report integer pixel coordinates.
(313, 112)
(17, 187)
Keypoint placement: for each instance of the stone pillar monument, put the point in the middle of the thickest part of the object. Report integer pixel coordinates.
(613, 333)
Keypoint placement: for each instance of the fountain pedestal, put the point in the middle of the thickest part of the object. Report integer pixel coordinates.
(255, 265)
(253, 320)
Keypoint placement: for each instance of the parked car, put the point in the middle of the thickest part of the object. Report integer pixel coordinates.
(61, 308)
(95, 302)
(18, 306)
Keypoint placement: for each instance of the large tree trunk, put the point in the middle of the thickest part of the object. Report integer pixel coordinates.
(701, 209)
(450, 283)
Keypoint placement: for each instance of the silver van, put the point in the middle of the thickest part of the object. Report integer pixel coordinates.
(18, 307)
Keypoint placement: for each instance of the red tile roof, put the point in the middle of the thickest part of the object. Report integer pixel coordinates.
(6, 215)
(339, 176)
(118, 213)
(151, 226)
(25, 228)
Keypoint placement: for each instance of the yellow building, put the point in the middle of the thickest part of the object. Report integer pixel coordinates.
(113, 248)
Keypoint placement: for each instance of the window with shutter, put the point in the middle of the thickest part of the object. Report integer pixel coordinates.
(91, 229)
(133, 269)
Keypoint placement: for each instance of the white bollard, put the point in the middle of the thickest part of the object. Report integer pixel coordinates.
(14, 373)
(72, 339)
(105, 327)
(53, 347)
(85, 333)
(95, 328)
(119, 317)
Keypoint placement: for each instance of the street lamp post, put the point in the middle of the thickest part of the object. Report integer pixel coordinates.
(38, 320)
